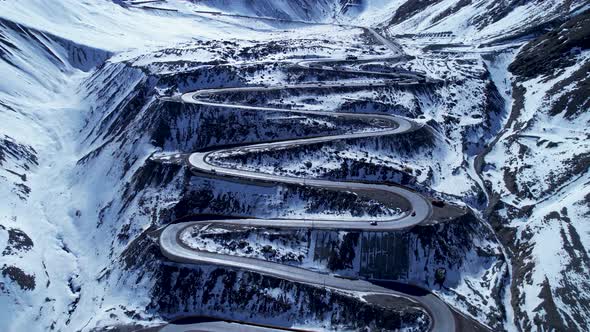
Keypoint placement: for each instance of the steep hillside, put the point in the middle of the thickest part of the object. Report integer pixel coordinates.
(49, 256)
(306, 10)
(478, 21)
(39, 107)
(95, 142)
(535, 170)
(541, 211)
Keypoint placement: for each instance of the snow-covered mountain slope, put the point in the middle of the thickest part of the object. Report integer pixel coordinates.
(156, 194)
(108, 26)
(39, 109)
(472, 21)
(47, 206)
(81, 114)
(538, 172)
(79, 190)
(307, 10)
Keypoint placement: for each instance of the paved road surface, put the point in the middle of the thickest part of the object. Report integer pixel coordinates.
(418, 209)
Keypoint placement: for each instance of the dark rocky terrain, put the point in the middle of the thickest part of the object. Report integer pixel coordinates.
(89, 105)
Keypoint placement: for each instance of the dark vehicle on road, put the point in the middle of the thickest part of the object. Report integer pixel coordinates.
(438, 203)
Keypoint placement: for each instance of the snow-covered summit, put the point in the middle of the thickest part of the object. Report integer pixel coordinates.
(81, 112)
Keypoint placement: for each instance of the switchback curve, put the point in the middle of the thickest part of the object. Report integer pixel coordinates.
(441, 316)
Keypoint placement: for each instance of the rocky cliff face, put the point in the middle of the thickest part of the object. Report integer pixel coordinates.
(175, 290)
(82, 112)
(458, 259)
(481, 21)
(540, 210)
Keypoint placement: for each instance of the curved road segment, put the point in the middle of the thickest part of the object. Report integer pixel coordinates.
(420, 209)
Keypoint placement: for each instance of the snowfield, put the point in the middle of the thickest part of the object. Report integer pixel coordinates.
(93, 150)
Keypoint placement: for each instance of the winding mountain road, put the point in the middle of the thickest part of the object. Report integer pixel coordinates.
(415, 208)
